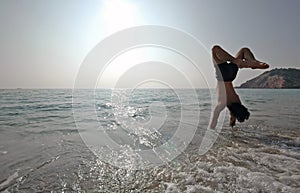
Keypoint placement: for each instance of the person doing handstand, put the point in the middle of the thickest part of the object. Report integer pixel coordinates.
(227, 67)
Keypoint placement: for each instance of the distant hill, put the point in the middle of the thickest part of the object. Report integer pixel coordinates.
(276, 78)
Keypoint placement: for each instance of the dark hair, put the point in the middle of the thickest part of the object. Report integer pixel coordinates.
(239, 111)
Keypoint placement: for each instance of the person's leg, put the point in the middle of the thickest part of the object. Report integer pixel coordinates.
(248, 60)
(245, 54)
(220, 55)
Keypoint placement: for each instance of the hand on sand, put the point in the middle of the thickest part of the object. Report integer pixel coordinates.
(232, 121)
(260, 65)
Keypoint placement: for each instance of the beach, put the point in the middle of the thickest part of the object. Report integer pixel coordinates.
(42, 148)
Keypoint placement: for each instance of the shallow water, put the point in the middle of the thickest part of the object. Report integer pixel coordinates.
(41, 149)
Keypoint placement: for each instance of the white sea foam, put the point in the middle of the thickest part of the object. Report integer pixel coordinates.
(8, 180)
(172, 188)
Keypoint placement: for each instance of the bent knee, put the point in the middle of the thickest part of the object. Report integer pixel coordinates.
(246, 49)
(216, 48)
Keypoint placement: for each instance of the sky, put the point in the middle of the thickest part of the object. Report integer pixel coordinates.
(44, 43)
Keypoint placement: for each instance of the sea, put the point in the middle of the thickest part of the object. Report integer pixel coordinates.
(147, 140)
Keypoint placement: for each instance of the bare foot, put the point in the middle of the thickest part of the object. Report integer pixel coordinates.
(257, 64)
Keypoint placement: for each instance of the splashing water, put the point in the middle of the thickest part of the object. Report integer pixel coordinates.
(45, 153)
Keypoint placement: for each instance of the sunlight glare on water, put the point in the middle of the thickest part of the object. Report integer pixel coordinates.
(44, 151)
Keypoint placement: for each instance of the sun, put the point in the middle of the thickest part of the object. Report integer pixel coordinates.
(118, 14)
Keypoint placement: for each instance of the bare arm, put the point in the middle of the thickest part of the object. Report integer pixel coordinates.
(216, 114)
(232, 120)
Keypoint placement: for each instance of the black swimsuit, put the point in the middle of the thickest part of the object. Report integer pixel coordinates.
(226, 71)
